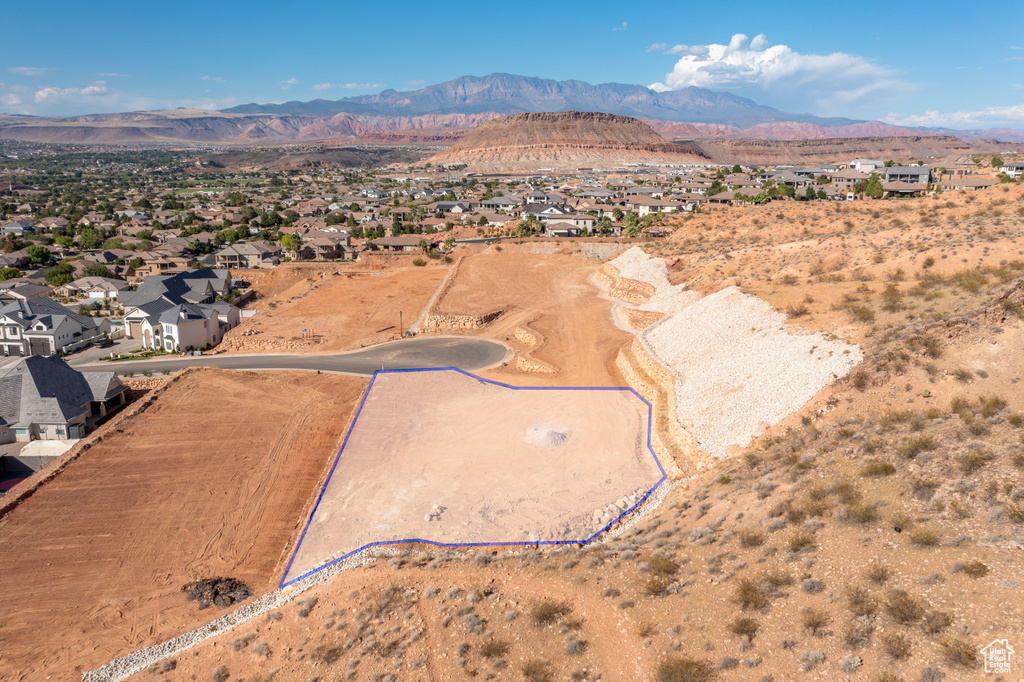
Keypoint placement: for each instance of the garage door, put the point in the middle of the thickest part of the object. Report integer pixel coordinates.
(39, 347)
(135, 330)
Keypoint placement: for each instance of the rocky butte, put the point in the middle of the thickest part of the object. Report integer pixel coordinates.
(569, 139)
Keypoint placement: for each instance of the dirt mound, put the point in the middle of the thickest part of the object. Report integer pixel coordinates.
(547, 435)
(568, 139)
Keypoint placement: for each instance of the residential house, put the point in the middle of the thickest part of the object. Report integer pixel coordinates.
(24, 292)
(968, 183)
(180, 311)
(1014, 170)
(17, 228)
(247, 255)
(97, 288)
(41, 326)
(916, 175)
(44, 398)
(868, 166)
(408, 243)
(846, 178)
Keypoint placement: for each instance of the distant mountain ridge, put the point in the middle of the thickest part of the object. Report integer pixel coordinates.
(441, 114)
(505, 93)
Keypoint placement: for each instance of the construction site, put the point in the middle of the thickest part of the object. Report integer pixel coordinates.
(672, 418)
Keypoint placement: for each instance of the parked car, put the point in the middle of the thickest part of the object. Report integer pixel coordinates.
(103, 343)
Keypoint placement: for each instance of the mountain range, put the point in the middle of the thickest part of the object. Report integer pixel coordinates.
(443, 113)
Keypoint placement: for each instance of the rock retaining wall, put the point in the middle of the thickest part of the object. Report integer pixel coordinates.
(442, 322)
(629, 290)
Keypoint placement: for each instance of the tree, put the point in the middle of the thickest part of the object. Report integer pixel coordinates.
(98, 270)
(59, 275)
(483, 221)
(9, 273)
(38, 255)
(737, 169)
(65, 240)
(810, 194)
(874, 187)
(716, 188)
(997, 161)
(89, 239)
(136, 263)
(617, 214)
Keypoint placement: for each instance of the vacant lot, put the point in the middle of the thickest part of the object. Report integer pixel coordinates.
(444, 457)
(550, 295)
(92, 565)
(346, 305)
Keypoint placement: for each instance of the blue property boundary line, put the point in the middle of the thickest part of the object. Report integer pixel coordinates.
(453, 545)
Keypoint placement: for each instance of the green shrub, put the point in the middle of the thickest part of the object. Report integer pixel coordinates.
(419, 262)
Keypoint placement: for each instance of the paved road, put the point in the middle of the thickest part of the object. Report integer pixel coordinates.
(468, 354)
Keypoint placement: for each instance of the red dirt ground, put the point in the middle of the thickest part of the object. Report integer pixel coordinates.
(93, 563)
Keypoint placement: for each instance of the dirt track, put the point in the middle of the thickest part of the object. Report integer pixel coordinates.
(94, 562)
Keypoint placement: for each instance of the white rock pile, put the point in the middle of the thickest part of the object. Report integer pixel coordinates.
(547, 435)
(668, 298)
(738, 369)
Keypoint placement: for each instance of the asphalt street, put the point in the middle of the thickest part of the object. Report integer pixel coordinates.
(415, 353)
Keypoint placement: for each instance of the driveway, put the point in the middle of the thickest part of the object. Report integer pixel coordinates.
(416, 353)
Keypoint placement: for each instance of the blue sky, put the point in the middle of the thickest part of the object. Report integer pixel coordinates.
(935, 64)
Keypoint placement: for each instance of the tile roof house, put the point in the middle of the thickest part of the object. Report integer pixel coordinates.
(43, 398)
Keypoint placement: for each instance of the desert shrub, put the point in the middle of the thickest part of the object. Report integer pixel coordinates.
(892, 298)
(858, 513)
(975, 569)
(877, 469)
(935, 622)
(912, 447)
(744, 627)
(798, 310)
(969, 462)
(547, 611)
(923, 489)
(536, 671)
(878, 573)
(661, 565)
(220, 673)
(963, 375)
(990, 406)
(862, 313)
(749, 595)
(812, 586)
(751, 538)
(959, 652)
(656, 587)
(858, 634)
(860, 601)
(924, 537)
(326, 653)
(896, 645)
(814, 620)
(261, 649)
(494, 648)
(1014, 512)
(860, 379)
(801, 541)
(682, 669)
(903, 608)
(419, 262)
(846, 491)
(576, 647)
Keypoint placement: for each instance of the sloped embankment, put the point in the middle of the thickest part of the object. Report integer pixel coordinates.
(721, 369)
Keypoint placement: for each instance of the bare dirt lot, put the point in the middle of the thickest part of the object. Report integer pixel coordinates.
(550, 296)
(93, 564)
(444, 457)
(360, 305)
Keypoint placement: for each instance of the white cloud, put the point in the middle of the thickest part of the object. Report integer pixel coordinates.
(287, 83)
(362, 86)
(28, 70)
(113, 75)
(322, 86)
(624, 27)
(56, 94)
(832, 83)
(215, 79)
(988, 117)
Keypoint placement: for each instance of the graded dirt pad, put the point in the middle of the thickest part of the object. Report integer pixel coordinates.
(444, 457)
(93, 563)
(549, 295)
(351, 305)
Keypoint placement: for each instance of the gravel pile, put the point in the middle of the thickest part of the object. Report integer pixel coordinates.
(667, 298)
(738, 370)
(635, 264)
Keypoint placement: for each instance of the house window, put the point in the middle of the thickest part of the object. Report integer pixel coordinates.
(60, 431)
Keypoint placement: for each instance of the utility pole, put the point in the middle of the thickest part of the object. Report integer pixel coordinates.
(400, 334)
